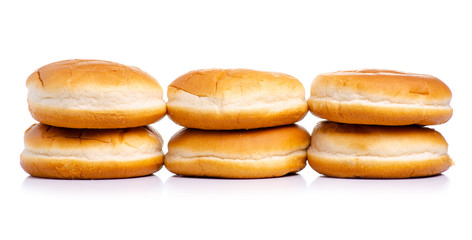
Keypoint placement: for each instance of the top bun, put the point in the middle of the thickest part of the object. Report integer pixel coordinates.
(235, 99)
(380, 97)
(94, 94)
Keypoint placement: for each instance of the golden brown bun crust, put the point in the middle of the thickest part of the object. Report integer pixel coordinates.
(234, 82)
(54, 152)
(345, 150)
(256, 153)
(389, 98)
(83, 74)
(69, 81)
(230, 92)
(242, 142)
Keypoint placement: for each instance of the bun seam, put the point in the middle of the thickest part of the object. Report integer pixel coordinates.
(263, 157)
(365, 101)
(410, 156)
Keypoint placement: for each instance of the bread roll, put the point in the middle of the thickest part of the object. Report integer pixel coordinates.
(380, 97)
(257, 153)
(94, 94)
(345, 150)
(235, 99)
(53, 152)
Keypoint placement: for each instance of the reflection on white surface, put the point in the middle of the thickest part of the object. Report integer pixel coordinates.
(426, 185)
(177, 186)
(139, 186)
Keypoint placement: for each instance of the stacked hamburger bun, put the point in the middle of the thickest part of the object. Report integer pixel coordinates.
(376, 124)
(93, 116)
(237, 124)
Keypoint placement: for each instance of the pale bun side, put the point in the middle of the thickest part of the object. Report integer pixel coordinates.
(217, 114)
(54, 152)
(258, 153)
(372, 113)
(235, 99)
(96, 119)
(85, 94)
(344, 150)
(380, 97)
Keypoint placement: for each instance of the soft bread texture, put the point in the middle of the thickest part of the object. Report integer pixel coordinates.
(94, 94)
(257, 153)
(380, 97)
(53, 152)
(366, 151)
(221, 99)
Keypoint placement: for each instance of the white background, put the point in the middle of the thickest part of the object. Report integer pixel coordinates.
(300, 38)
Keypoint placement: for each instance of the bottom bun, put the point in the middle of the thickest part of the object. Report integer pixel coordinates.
(349, 151)
(358, 167)
(53, 152)
(258, 153)
(226, 168)
(79, 169)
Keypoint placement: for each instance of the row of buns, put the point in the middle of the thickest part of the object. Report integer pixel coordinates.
(101, 94)
(335, 149)
(93, 116)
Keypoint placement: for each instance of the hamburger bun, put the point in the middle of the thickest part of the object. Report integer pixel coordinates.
(53, 152)
(220, 99)
(348, 151)
(380, 97)
(257, 153)
(94, 94)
